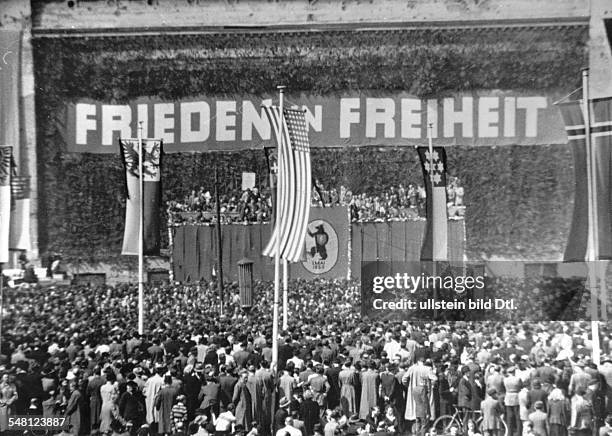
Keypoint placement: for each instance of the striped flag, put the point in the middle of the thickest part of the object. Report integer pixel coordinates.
(433, 164)
(601, 142)
(151, 163)
(294, 178)
(6, 169)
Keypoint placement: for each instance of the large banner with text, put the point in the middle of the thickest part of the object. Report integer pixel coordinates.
(235, 122)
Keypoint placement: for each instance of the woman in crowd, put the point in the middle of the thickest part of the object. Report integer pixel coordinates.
(558, 413)
(108, 393)
(8, 395)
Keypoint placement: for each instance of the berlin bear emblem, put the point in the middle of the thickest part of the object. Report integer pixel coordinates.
(321, 247)
(320, 240)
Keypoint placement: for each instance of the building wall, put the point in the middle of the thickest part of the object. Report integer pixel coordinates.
(176, 15)
(181, 13)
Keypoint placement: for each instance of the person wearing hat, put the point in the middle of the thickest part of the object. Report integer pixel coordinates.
(512, 385)
(320, 386)
(580, 379)
(227, 381)
(152, 386)
(193, 379)
(282, 413)
(370, 386)
(309, 411)
(605, 369)
(347, 381)
(536, 393)
(209, 397)
(241, 398)
(74, 408)
(164, 400)
(95, 382)
(539, 419)
(132, 406)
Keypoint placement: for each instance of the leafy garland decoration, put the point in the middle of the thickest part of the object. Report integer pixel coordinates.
(81, 200)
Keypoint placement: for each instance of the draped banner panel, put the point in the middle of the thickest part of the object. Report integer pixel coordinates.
(365, 118)
(195, 247)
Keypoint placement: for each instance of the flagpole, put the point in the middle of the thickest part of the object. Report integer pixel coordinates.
(277, 259)
(431, 182)
(1, 304)
(285, 292)
(140, 234)
(593, 252)
(603, 268)
(219, 243)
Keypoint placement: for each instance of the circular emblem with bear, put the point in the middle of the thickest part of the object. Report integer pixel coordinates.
(321, 245)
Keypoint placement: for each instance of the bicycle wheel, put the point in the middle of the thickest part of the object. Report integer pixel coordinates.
(503, 430)
(443, 424)
(504, 427)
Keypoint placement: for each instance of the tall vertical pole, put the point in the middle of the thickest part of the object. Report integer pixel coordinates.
(603, 269)
(140, 234)
(431, 183)
(285, 291)
(279, 219)
(219, 245)
(1, 304)
(593, 252)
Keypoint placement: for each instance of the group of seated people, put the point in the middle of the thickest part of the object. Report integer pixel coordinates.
(255, 206)
(199, 207)
(74, 352)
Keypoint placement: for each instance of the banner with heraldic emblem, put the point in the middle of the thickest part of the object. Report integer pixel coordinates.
(325, 243)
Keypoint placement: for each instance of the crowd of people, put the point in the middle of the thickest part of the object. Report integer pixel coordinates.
(74, 352)
(200, 207)
(255, 206)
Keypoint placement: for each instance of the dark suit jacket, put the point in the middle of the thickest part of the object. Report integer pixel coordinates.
(209, 395)
(226, 384)
(309, 411)
(241, 358)
(464, 394)
(478, 394)
(285, 352)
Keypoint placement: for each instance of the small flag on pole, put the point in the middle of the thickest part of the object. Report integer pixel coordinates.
(6, 169)
(433, 163)
(601, 143)
(151, 163)
(294, 177)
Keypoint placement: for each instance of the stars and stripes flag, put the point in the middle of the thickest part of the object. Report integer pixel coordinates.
(294, 179)
(433, 164)
(601, 145)
(6, 169)
(151, 164)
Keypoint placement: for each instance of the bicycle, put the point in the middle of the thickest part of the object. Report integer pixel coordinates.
(444, 423)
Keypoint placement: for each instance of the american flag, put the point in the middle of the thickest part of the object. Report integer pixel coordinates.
(294, 178)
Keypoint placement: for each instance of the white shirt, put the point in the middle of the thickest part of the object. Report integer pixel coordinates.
(224, 421)
(297, 362)
(392, 348)
(288, 429)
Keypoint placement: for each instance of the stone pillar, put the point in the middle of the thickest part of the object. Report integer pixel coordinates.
(17, 15)
(600, 55)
